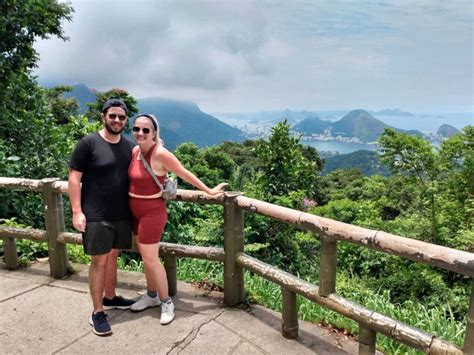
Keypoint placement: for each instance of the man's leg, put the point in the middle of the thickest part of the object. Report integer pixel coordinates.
(111, 274)
(111, 300)
(97, 276)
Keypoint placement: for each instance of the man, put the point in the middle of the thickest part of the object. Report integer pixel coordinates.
(100, 207)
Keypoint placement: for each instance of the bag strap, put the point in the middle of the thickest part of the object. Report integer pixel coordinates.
(147, 167)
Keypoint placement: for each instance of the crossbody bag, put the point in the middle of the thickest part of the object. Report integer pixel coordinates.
(171, 186)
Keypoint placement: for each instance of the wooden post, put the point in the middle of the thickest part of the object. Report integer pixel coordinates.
(170, 267)
(233, 244)
(11, 254)
(468, 347)
(54, 220)
(289, 327)
(367, 340)
(327, 269)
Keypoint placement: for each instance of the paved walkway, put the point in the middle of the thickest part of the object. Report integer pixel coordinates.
(42, 315)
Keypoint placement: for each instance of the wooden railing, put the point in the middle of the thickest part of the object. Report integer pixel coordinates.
(235, 261)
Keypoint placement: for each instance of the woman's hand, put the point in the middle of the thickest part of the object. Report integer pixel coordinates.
(218, 188)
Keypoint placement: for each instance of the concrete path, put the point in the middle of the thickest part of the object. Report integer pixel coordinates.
(41, 315)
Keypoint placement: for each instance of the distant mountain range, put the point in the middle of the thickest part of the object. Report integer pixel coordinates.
(427, 123)
(357, 123)
(180, 121)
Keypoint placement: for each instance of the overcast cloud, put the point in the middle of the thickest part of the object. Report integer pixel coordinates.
(263, 55)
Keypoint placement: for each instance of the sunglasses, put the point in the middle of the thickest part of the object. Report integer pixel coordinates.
(138, 129)
(113, 116)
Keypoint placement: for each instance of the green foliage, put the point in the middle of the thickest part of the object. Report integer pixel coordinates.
(76, 254)
(348, 211)
(212, 165)
(417, 158)
(61, 108)
(21, 23)
(444, 178)
(368, 162)
(41, 151)
(284, 166)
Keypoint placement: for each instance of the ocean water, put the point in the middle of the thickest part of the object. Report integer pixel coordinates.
(429, 123)
(340, 147)
(426, 123)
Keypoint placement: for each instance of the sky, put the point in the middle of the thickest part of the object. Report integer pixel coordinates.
(246, 56)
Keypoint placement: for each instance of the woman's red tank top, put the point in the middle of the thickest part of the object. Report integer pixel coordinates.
(141, 182)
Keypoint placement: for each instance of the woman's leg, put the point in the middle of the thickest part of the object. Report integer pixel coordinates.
(154, 272)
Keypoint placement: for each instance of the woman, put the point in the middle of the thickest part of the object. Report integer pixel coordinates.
(149, 209)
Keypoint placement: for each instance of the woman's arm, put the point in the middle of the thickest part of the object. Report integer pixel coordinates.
(170, 163)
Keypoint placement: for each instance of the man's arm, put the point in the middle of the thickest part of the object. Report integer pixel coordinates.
(74, 190)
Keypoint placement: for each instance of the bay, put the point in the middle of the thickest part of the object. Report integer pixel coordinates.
(339, 147)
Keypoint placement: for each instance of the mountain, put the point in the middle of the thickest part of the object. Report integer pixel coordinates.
(291, 116)
(357, 123)
(368, 162)
(187, 121)
(83, 95)
(360, 124)
(312, 125)
(447, 131)
(180, 121)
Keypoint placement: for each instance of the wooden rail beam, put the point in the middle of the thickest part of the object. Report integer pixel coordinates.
(431, 254)
(23, 233)
(403, 333)
(54, 221)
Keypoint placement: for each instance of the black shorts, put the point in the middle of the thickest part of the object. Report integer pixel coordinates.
(101, 237)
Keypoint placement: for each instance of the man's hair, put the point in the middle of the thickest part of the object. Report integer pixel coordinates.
(114, 103)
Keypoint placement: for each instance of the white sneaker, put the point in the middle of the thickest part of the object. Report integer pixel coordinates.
(145, 302)
(167, 312)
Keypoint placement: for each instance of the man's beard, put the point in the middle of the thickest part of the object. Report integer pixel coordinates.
(111, 130)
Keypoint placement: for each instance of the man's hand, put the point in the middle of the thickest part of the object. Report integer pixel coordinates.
(79, 221)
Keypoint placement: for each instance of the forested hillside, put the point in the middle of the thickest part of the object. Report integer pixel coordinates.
(367, 161)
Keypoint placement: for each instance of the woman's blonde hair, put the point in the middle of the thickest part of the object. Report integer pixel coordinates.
(156, 126)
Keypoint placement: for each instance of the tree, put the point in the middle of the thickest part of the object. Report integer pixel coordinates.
(95, 109)
(246, 162)
(457, 154)
(211, 165)
(21, 23)
(62, 108)
(417, 158)
(284, 166)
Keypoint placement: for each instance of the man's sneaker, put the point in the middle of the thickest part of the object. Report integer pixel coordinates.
(117, 302)
(167, 312)
(100, 324)
(145, 302)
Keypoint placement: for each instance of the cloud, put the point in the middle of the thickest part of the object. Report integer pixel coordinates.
(170, 45)
(245, 55)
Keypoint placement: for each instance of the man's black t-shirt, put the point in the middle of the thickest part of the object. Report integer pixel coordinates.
(104, 167)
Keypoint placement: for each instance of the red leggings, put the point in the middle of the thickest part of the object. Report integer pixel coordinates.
(149, 219)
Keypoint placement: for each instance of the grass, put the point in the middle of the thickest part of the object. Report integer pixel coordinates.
(435, 320)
